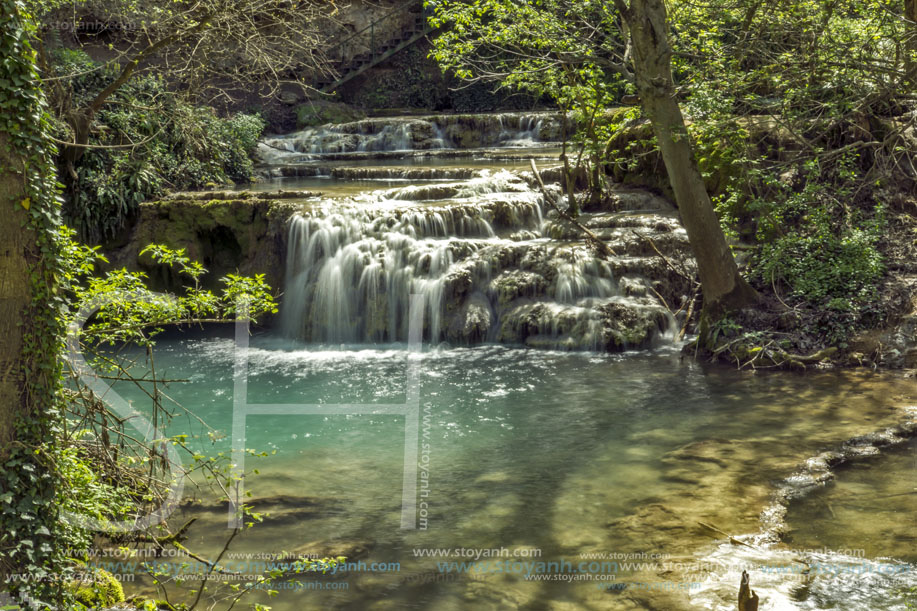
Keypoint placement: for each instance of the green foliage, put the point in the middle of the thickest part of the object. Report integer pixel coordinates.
(785, 101)
(806, 58)
(813, 246)
(139, 319)
(83, 491)
(814, 243)
(130, 480)
(538, 47)
(910, 597)
(631, 154)
(554, 49)
(823, 263)
(724, 327)
(791, 109)
(178, 146)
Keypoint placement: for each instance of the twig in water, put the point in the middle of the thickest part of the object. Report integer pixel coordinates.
(602, 246)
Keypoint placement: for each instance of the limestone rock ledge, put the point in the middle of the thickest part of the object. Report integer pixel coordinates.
(244, 233)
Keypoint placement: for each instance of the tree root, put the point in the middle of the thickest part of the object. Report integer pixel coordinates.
(768, 355)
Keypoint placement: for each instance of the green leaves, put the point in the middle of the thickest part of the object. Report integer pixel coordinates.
(140, 318)
(175, 259)
(28, 476)
(823, 254)
(559, 49)
(543, 48)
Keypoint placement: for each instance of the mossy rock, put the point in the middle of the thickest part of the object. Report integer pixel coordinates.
(148, 604)
(245, 236)
(515, 284)
(463, 136)
(632, 159)
(101, 591)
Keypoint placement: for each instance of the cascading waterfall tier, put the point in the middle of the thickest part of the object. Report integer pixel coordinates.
(476, 251)
(413, 134)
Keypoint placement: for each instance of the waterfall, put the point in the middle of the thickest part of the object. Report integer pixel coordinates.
(491, 262)
(412, 134)
(476, 251)
(350, 272)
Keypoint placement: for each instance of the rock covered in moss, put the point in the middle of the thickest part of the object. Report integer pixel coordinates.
(99, 590)
(473, 323)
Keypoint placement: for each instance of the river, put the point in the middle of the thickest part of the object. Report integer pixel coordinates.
(563, 461)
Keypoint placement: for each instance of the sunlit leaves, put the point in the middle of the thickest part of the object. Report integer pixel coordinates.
(138, 314)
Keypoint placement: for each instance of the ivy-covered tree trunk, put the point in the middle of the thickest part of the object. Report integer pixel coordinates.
(723, 287)
(30, 323)
(15, 292)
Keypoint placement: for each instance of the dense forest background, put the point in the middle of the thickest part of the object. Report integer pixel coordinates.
(800, 114)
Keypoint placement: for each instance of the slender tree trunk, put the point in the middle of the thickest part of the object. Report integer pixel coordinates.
(910, 47)
(723, 287)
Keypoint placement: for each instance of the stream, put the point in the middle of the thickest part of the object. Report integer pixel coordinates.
(570, 456)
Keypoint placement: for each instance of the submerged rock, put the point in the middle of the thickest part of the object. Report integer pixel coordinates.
(351, 549)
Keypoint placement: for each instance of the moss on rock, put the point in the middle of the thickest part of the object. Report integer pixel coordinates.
(100, 591)
(244, 236)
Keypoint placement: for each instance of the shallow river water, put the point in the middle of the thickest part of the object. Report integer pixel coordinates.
(553, 457)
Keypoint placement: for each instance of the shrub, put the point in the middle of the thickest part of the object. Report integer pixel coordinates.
(815, 243)
(179, 146)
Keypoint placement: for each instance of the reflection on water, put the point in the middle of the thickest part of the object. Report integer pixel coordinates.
(570, 454)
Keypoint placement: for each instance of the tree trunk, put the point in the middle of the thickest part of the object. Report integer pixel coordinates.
(15, 297)
(723, 288)
(30, 328)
